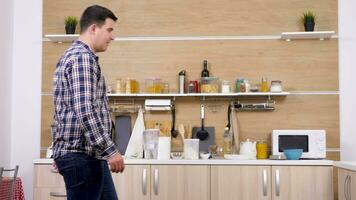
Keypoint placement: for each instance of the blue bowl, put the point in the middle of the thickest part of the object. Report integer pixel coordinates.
(293, 154)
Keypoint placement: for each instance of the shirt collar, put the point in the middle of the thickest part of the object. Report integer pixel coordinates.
(78, 42)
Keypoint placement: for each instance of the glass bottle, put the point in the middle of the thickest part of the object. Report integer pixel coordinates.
(205, 71)
(227, 141)
(264, 85)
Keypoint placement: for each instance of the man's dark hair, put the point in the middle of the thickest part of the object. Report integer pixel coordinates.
(95, 15)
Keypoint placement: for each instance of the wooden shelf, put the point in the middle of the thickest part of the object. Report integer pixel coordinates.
(321, 35)
(241, 94)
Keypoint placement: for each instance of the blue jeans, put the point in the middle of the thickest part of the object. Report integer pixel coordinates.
(86, 178)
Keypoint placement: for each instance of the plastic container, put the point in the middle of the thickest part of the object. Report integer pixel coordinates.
(293, 154)
(153, 85)
(209, 85)
(264, 85)
(150, 143)
(191, 149)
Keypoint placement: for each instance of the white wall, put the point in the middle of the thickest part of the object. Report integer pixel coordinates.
(26, 88)
(347, 75)
(6, 9)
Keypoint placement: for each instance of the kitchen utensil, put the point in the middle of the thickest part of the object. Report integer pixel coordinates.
(210, 140)
(122, 132)
(228, 117)
(235, 128)
(293, 154)
(202, 134)
(181, 130)
(248, 147)
(174, 132)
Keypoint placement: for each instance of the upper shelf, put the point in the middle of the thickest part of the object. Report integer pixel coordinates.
(321, 35)
(240, 94)
(284, 36)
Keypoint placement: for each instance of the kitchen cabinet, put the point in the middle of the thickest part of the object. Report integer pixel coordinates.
(48, 184)
(302, 182)
(271, 182)
(240, 182)
(346, 184)
(161, 182)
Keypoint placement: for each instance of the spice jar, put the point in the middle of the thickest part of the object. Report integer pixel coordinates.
(264, 85)
(225, 86)
(276, 86)
(261, 148)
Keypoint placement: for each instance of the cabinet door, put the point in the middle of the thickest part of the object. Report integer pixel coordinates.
(177, 182)
(48, 184)
(302, 182)
(240, 182)
(352, 185)
(133, 183)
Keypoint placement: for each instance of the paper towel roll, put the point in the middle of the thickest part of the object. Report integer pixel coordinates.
(164, 148)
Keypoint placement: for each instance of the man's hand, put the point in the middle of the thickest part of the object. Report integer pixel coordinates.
(116, 163)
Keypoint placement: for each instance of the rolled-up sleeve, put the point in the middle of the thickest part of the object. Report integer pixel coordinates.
(84, 79)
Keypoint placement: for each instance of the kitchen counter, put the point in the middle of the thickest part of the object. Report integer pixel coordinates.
(216, 162)
(349, 165)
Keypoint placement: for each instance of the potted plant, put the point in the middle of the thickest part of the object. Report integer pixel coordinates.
(308, 20)
(70, 24)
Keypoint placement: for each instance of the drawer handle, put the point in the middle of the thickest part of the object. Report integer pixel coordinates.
(264, 182)
(144, 181)
(57, 194)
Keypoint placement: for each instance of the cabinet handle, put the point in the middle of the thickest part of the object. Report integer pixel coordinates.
(155, 184)
(277, 182)
(264, 182)
(57, 194)
(144, 181)
(345, 186)
(349, 187)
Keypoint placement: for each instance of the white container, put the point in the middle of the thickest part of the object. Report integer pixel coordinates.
(225, 86)
(191, 149)
(164, 148)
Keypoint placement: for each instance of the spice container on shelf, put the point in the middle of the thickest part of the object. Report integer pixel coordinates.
(276, 86)
(119, 86)
(247, 86)
(209, 85)
(153, 85)
(193, 86)
(264, 85)
(239, 80)
(225, 86)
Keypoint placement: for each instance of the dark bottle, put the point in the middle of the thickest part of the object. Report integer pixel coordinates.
(205, 72)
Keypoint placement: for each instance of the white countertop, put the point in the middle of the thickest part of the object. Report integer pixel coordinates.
(350, 165)
(214, 162)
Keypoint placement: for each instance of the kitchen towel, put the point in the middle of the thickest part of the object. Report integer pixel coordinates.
(122, 132)
(135, 146)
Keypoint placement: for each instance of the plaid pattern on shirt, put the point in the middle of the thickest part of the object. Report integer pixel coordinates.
(82, 122)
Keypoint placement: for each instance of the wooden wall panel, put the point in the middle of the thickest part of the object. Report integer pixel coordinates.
(46, 121)
(301, 65)
(197, 17)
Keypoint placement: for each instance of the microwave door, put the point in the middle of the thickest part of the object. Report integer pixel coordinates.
(293, 142)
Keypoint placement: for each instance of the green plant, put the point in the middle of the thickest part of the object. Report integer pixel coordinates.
(71, 21)
(308, 17)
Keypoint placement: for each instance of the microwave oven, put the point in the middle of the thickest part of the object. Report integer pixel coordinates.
(313, 142)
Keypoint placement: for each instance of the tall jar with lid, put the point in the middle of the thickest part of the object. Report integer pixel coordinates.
(225, 86)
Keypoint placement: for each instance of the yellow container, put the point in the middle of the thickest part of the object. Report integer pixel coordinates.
(261, 148)
(153, 85)
(264, 85)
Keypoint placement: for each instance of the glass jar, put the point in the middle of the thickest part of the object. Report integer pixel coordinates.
(261, 148)
(276, 86)
(153, 85)
(209, 85)
(225, 86)
(238, 83)
(264, 85)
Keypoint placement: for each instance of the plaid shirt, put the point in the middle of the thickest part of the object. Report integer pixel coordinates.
(82, 122)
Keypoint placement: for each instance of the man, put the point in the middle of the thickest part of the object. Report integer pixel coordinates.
(82, 147)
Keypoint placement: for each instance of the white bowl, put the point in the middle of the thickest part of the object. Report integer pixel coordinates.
(204, 156)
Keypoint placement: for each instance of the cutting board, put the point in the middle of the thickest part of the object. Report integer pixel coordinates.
(205, 144)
